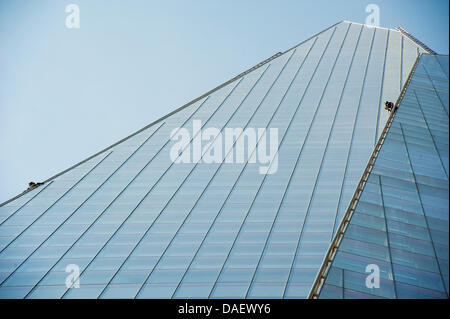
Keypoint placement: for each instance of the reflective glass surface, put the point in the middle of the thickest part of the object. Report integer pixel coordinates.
(131, 223)
(401, 221)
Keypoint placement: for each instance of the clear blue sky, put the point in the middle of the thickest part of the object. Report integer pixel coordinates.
(67, 93)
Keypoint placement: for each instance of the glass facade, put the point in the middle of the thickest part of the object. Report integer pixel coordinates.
(134, 224)
(401, 221)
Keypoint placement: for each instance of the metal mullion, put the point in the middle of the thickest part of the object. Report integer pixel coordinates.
(353, 133)
(158, 179)
(296, 163)
(423, 210)
(143, 236)
(238, 178)
(122, 193)
(254, 112)
(440, 65)
(57, 200)
(138, 174)
(329, 257)
(207, 94)
(289, 181)
(190, 116)
(380, 260)
(242, 170)
(323, 156)
(43, 214)
(434, 88)
(432, 138)
(381, 87)
(13, 213)
(401, 61)
(245, 218)
(63, 223)
(387, 235)
(207, 185)
(416, 41)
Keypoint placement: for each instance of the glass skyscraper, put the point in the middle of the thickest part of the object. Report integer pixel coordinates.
(132, 222)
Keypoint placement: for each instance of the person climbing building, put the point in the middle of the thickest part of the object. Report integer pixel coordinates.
(32, 185)
(388, 106)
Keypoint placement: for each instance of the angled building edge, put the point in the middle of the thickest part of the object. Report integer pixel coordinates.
(408, 290)
(240, 75)
(419, 43)
(331, 88)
